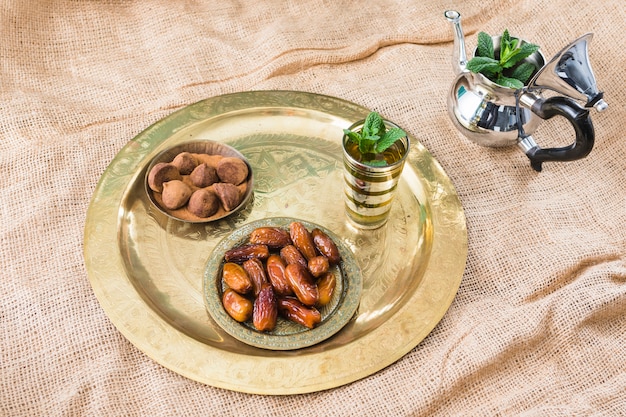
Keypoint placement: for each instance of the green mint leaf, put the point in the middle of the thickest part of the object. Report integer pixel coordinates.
(506, 56)
(527, 49)
(351, 133)
(524, 51)
(520, 53)
(390, 137)
(367, 146)
(485, 46)
(486, 66)
(364, 131)
(510, 60)
(523, 71)
(509, 82)
(354, 136)
(505, 44)
(371, 137)
(373, 125)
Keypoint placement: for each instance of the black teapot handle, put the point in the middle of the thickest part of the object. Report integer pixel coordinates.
(580, 119)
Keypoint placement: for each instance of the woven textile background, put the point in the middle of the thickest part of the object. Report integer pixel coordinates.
(538, 327)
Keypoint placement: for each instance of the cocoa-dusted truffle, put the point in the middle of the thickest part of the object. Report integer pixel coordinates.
(185, 162)
(160, 173)
(203, 203)
(175, 194)
(228, 195)
(203, 176)
(232, 170)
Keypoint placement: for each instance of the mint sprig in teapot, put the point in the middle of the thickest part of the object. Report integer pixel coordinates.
(492, 102)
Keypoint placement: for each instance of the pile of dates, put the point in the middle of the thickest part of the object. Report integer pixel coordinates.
(280, 272)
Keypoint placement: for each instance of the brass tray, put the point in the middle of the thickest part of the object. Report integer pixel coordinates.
(146, 269)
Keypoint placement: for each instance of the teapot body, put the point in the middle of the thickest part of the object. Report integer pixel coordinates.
(487, 113)
(490, 114)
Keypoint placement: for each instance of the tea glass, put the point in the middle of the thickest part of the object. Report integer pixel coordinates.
(369, 190)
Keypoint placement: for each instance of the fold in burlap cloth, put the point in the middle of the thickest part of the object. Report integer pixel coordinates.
(538, 326)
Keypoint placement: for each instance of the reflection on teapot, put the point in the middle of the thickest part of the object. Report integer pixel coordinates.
(496, 116)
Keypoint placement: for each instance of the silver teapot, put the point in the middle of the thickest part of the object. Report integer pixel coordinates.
(497, 116)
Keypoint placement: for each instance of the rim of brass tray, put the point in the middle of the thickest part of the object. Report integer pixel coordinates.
(313, 371)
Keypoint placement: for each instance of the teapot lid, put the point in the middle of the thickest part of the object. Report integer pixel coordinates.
(570, 73)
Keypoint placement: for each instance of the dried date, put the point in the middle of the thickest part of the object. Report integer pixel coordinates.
(236, 278)
(276, 274)
(326, 287)
(273, 237)
(302, 239)
(256, 272)
(291, 255)
(292, 309)
(241, 254)
(302, 284)
(237, 306)
(265, 310)
(318, 266)
(326, 246)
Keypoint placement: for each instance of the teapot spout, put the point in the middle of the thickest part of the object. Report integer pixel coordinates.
(459, 54)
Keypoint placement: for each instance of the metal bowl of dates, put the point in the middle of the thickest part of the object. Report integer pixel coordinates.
(286, 334)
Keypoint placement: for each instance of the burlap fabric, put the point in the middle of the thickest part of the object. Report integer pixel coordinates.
(538, 327)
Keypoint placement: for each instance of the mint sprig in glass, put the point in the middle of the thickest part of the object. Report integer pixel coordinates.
(372, 144)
